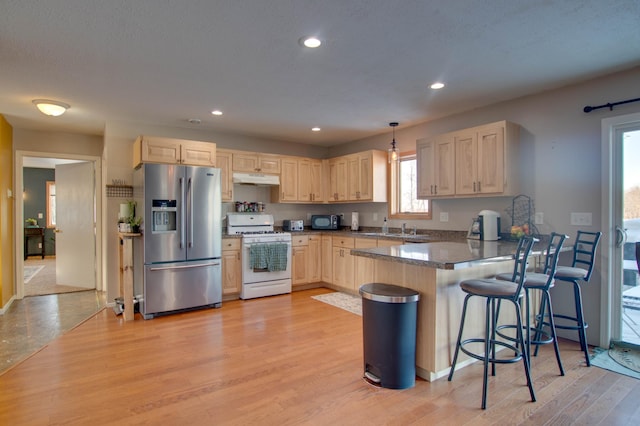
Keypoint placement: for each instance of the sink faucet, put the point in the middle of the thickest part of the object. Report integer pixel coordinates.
(404, 227)
(415, 230)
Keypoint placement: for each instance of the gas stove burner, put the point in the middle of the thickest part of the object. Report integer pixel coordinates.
(259, 232)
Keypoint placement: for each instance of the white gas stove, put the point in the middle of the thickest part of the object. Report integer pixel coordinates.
(266, 255)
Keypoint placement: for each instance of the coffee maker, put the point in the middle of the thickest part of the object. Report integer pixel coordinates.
(486, 226)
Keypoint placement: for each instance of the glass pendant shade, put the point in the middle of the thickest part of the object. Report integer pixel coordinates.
(394, 155)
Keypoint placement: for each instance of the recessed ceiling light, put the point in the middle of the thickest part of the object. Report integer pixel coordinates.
(311, 42)
(195, 121)
(315, 129)
(437, 85)
(216, 112)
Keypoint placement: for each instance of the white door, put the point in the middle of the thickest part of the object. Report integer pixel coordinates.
(75, 225)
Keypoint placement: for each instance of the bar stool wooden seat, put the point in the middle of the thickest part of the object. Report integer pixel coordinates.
(541, 281)
(584, 252)
(494, 291)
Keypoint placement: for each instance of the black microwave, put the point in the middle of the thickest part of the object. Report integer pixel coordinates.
(325, 221)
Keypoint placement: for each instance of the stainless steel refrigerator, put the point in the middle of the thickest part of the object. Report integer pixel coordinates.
(177, 261)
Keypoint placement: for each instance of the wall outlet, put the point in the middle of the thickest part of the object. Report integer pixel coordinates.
(581, 219)
(538, 219)
(341, 218)
(375, 217)
(444, 217)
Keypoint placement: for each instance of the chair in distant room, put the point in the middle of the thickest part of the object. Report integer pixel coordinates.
(541, 281)
(495, 291)
(584, 252)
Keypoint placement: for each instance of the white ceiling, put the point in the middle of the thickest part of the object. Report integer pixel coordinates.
(164, 62)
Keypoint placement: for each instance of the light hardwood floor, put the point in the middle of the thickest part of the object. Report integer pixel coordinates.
(283, 360)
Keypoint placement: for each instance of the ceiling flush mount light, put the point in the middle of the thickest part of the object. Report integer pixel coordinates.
(310, 42)
(216, 112)
(394, 155)
(437, 85)
(49, 107)
(315, 129)
(195, 121)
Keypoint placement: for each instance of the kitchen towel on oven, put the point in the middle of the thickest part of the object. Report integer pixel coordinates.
(272, 257)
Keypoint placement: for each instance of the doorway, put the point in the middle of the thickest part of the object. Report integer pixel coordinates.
(88, 251)
(621, 212)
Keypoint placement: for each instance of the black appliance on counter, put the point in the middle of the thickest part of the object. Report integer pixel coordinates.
(325, 221)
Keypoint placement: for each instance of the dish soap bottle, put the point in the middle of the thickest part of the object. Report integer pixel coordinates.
(385, 226)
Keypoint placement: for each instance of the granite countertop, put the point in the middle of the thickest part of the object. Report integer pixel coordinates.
(444, 255)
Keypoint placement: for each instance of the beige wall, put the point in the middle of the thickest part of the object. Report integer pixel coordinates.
(7, 256)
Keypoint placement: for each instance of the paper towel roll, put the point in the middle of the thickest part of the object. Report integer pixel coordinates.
(355, 221)
(124, 211)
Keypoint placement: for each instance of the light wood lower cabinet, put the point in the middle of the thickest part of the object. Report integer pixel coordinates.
(327, 259)
(343, 262)
(364, 272)
(306, 259)
(314, 273)
(231, 266)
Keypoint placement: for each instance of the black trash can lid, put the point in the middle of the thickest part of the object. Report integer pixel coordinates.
(387, 293)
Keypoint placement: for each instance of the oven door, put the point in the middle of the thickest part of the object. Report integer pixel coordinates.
(251, 275)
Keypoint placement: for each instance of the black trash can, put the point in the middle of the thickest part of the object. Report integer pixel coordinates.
(389, 315)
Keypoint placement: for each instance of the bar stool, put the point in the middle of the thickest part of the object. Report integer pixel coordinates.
(493, 291)
(541, 281)
(584, 252)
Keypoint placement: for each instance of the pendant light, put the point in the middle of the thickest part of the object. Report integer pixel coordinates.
(394, 155)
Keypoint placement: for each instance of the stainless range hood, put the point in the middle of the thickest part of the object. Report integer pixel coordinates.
(256, 179)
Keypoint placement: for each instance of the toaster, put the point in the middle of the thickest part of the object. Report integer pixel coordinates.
(293, 225)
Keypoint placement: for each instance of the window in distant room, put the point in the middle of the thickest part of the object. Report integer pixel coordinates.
(51, 204)
(404, 203)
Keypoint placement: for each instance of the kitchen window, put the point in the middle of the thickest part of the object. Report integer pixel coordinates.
(404, 203)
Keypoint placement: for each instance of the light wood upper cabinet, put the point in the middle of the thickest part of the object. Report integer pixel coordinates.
(251, 162)
(338, 179)
(485, 162)
(223, 162)
(300, 181)
(288, 180)
(436, 175)
(153, 149)
(316, 181)
(358, 177)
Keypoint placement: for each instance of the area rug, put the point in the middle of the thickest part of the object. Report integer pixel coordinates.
(626, 356)
(602, 358)
(44, 283)
(31, 271)
(340, 300)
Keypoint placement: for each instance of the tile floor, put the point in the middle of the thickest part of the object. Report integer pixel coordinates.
(31, 323)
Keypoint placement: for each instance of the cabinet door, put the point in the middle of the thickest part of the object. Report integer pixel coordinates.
(425, 158)
(491, 161)
(365, 177)
(314, 265)
(289, 180)
(466, 163)
(299, 261)
(195, 153)
(304, 179)
(339, 267)
(338, 179)
(245, 162)
(445, 166)
(327, 259)
(231, 266)
(223, 162)
(160, 150)
(269, 164)
(315, 181)
(353, 177)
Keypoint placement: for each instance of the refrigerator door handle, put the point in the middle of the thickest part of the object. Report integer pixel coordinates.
(182, 215)
(190, 201)
(168, 268)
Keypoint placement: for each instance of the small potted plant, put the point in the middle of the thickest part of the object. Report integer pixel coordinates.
(135, 222)
(31, 222)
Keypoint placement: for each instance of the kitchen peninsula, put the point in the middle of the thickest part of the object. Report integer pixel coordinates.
(435, 271)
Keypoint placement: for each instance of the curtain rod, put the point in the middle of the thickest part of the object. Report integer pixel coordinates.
(609, 105)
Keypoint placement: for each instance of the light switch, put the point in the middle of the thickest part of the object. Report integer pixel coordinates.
(40, 216)
(444, 217)
(581, 219)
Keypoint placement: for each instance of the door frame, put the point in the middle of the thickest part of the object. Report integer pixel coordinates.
(611, 313)
(19, 212)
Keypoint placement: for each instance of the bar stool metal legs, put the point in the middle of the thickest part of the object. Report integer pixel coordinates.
(494, 292)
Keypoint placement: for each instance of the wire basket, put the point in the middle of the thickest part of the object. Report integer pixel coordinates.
(521, 211)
